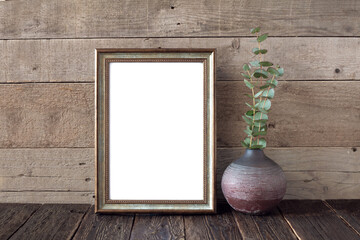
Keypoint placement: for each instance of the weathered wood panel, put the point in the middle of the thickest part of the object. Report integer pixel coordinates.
(349, 211)
(47, 115)
(98, 226)
(309, 174)
(303, 114)
(292, 159)
(53, 169)
(52, 222)
(13, 216)
(72, 60)
(67, 175)
(313, 220)
(39, 196)
(158, 227)
(266, 227)
(221, 225)
(86, 19)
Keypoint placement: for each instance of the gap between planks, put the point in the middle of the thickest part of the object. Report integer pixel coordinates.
(339, 216)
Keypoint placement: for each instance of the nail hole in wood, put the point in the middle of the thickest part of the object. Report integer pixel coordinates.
(172, 7)
(354, 149)
(87, 179)
(337, 70)
(178, 24)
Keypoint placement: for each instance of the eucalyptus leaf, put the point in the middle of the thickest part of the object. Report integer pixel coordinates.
(249, 96)
(250, 106)
(264, 104)
(265, 86)
(262, 133)
(248, 131)
(260, 73)
(273, 82)
(257, 51)
(245, 75)
(246, 67)
(281, 71)
(269, 93)
(256, 146)
(255, 63)
(248, 84)
(258, 94)
(262, 116)
(244, 144)
(262, 142)
(250, 113)
(266, 64)
(247, 120)
(273, 71)
(255, 30)
(262, 37)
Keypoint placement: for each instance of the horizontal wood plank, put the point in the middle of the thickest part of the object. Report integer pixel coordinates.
(302, 159)
(52, 222)
(54, 169)
(47, 115)
(38, 196)
(62, 115)
(67, 175)
(266, 227)
(349, 211)
(314, 220)
(221, 225)
(72, 60)
(158, 227)
(302, 114)
(99, 226)
(308, 178)
(90, 19)
(13, 216)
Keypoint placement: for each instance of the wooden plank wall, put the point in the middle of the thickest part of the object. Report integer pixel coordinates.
(47, 86)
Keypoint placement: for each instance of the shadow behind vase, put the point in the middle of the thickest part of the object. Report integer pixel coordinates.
(253, 183)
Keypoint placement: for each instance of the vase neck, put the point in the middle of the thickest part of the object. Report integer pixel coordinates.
(254, 153)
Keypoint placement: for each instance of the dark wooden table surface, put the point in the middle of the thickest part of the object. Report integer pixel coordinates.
(293, 219)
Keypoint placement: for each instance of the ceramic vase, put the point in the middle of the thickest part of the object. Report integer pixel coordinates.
(254, 183)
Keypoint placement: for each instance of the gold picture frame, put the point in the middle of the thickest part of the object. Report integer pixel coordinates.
(136, 170)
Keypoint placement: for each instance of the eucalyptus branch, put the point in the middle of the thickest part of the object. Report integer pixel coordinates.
(255, 72)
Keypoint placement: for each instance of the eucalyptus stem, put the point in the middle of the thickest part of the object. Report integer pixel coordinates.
(261, 94)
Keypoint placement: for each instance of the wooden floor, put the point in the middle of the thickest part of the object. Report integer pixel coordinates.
(294, 219)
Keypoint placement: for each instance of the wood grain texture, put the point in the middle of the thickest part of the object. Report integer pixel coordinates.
(52, 222)
(292, 159)
(314, 220)
(53, 169)
(311, 173)
(47, 115)
(85, 19)
(66, 175)
(39, 196)
(349, 211)
(158, 227)
(13, 216)
(219, 226)
(72, 60)
(302, 114)
(265, 227)
(62, 115)
(97, 226)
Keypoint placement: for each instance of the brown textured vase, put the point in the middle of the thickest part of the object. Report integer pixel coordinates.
(253, 183)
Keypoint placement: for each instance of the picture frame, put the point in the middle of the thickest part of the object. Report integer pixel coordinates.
(155, 146)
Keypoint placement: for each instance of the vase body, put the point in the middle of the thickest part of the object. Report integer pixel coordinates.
(253, 183)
